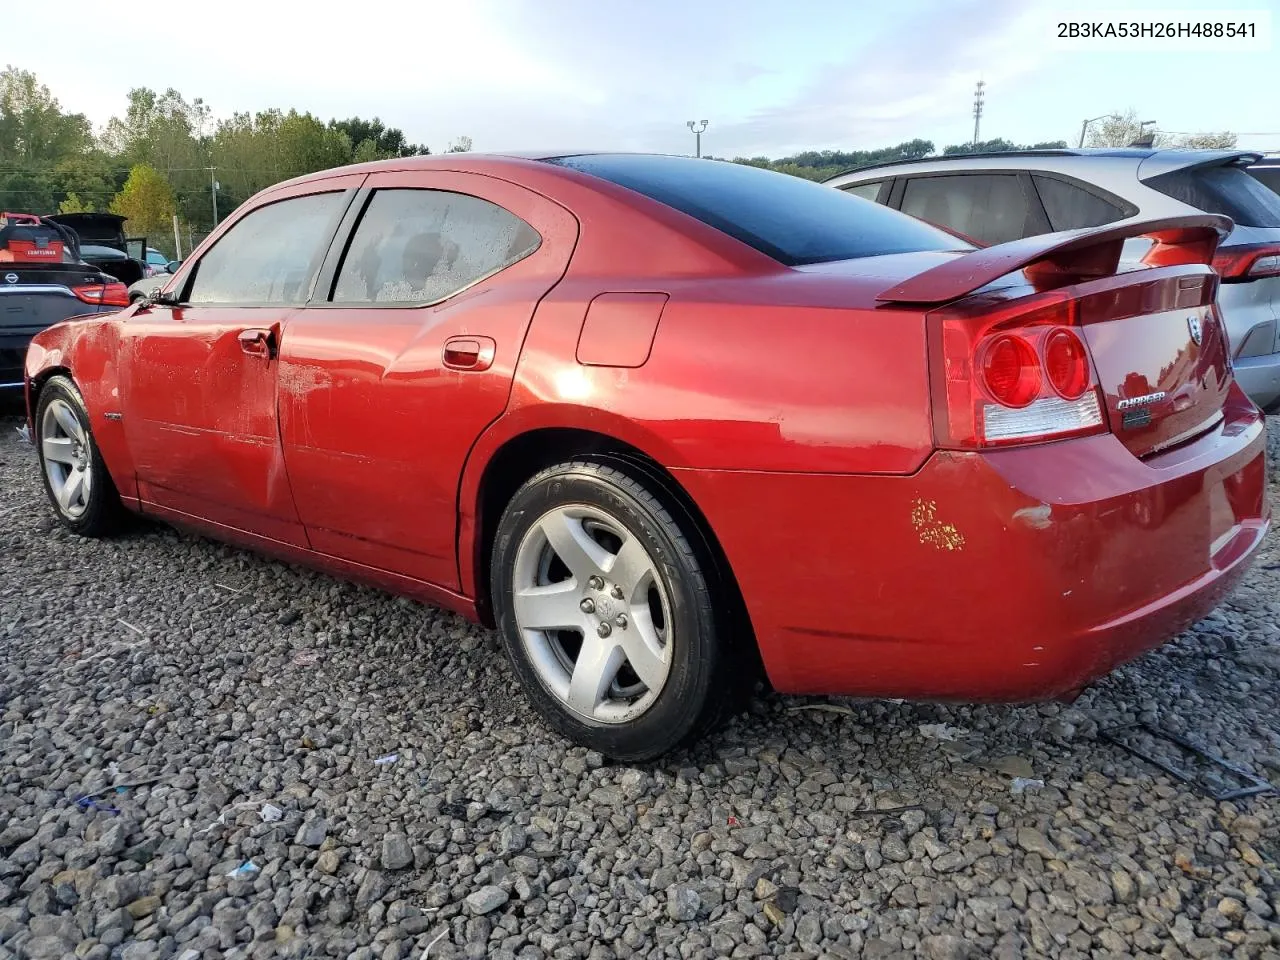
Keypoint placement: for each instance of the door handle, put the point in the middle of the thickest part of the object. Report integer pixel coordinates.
(257, 342)
(469, 353)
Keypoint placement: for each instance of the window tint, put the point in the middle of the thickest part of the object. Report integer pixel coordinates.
(990, 208)
(270, 255)
(420, 246)
(794, 221)
(867, 191)
(1226, 190)
(1071, 207)
(1268, 176)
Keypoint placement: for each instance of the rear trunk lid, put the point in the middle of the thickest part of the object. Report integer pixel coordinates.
(1160, 357)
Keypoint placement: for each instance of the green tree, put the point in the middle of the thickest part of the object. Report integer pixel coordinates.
(1000, 145)
(73, 204)
(461, 145)
(147, 201)
(388, 142)
(33, 128)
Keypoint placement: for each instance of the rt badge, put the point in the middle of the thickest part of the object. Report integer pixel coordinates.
(1196, 329)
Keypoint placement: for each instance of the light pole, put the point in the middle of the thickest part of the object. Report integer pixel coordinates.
(1085, 126)
(213, 191)
(697, 133)
(1145, 139)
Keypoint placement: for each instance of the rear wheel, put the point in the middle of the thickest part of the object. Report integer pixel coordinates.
(606, 612)
(75, 478)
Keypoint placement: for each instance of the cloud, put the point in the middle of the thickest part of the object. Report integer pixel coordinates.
(901, 86)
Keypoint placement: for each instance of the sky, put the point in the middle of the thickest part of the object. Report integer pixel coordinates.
(538, 74)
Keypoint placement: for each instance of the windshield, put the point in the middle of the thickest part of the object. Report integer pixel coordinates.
(795, 221)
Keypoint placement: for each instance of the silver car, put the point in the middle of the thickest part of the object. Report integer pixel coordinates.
(993, 198)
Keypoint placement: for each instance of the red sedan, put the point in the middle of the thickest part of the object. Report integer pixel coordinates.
(664, 421)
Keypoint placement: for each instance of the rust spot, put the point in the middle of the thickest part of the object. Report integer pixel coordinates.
(932, 531)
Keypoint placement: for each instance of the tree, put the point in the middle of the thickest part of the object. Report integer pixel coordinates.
(461, 145)
(388, 142)
(1000, 145)
(1207, 141)
(33, 128)
(73, 204)
(146, 200)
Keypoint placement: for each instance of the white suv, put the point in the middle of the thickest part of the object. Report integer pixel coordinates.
(994, 198)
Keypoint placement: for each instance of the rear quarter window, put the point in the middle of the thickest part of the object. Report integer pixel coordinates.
(1227, 190)
(794, 221)
(1070, 207)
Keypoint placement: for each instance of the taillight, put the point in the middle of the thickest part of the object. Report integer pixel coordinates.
(1251, 262)
(1016, 374)
(103, 294)
(1066, 364)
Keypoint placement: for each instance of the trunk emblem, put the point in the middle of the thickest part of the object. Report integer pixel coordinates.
(1196, 329)
(10, 278)
(1145, 400)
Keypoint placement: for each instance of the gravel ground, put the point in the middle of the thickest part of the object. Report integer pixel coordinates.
(320, 770)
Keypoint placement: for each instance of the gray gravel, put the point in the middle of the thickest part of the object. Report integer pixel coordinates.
(254, 710)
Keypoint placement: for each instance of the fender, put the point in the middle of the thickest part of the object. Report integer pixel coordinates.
(523, 419)
(88, 349)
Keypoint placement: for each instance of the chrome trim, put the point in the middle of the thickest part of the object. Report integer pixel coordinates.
(7, 386)
(38, 288)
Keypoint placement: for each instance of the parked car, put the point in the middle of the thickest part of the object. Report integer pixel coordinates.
(104, 244)
(659, 418)
(156, 262)
(42, 281)
(153, 283)
(999, 197)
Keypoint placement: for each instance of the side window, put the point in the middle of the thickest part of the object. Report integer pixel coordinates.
(989, 207)
(1070, 207)
(270, 255)
(867, 191)
(421, 246)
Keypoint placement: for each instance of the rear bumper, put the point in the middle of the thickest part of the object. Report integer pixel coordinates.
(1020, 574)
(1259, 377)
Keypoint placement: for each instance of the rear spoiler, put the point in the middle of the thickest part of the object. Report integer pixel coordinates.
(1055, 259)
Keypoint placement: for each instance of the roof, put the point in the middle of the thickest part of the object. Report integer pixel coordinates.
(1127, 153)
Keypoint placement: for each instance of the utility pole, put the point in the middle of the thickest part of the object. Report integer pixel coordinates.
(213, 189)
(977, 109)
(697, 133)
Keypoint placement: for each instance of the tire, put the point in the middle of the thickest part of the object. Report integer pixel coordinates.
(93, 507)
(657, 672)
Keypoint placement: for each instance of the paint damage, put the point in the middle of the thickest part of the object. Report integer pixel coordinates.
(932, 531)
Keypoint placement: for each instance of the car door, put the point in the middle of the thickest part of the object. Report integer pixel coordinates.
(200, 378)
(406, 355)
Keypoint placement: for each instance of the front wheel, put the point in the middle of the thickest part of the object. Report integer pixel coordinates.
(75, 478)
(606, 612)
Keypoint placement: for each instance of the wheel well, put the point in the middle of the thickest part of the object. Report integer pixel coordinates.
(37, 384)
(523, 456)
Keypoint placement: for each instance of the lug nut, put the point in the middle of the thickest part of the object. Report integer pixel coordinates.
(617, 591)
(595, 583)
(587, 605)
(604, 630)
(621, 620)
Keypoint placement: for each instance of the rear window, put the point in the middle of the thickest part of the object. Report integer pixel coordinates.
(1227, 190)
(792, 220)
(1268, 176)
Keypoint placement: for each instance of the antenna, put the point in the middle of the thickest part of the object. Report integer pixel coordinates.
(977, 109)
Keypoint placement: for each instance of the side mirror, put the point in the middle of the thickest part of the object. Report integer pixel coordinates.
(172, 266)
